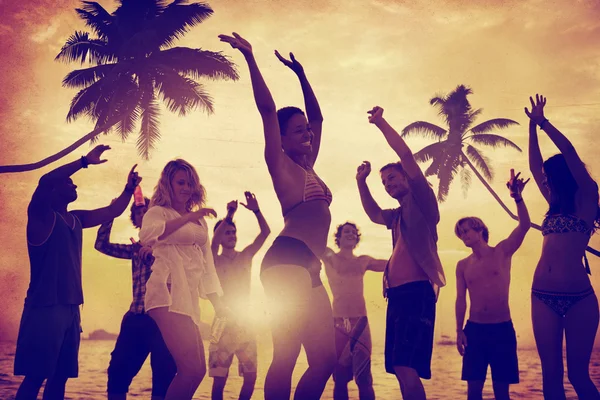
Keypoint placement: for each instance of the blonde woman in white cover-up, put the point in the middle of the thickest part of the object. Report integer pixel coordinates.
(183, 270)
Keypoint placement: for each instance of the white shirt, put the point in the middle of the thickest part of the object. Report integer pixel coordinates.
(184, 258)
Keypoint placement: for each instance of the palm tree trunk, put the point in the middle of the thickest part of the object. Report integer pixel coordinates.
(510, 213)
(5, 169)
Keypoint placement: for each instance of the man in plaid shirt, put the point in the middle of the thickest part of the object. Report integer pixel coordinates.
(139, 335)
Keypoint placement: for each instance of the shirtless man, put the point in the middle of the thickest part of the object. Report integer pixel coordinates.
(489, 336)
(233, 268)
(414, 273)
(345, 273)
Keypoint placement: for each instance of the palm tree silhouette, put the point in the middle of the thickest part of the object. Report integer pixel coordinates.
(134, 64)
(455, 148)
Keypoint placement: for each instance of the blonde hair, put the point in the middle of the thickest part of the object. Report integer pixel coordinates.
(163, 192)
(474, 223)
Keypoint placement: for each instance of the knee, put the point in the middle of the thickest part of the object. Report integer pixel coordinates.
(194, 372)
(407, 377)
(249, 377)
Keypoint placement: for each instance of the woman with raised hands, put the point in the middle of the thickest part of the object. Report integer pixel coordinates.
(299, 306)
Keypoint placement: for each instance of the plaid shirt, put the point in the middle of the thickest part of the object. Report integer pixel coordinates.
(140, 271)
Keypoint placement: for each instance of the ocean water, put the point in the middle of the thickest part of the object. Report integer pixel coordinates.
(445, 383)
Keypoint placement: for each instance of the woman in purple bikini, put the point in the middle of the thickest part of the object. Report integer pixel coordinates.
(563, 301)
(299, 305)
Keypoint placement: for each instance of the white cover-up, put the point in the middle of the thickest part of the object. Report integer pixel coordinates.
(184, 258)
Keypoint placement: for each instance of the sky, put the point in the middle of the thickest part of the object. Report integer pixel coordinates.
(395, 54)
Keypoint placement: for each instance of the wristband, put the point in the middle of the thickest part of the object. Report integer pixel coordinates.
(128, 190)
(84, 162)
(541, 124)
(256, 211)
(519, 200)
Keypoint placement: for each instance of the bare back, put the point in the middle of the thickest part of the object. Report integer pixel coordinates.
(488, 281)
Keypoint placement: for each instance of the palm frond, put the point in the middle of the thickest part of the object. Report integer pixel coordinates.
(428, 152)
(80, 47)
(446, 175)
(97, 18)
(492, 124)
(423, 128)
(87, 76)
(149, 131)
(481, 162)
(181, 94)
(177, 19)
(85, 101)
(465, 179)
(493, 140)
(196, 63)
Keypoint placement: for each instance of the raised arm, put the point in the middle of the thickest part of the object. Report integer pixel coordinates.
(460, 307)
(536, 161)
(252, 205)
(580, 174)
(220, 231)
(511, 244)
(264, 103)
(396, 143)
(368, 202)
(104, 246)
(90, 218)
(311, 104)
(39, 211)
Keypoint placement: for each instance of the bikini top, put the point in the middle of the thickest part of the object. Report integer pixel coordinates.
(564, 223)
(314, 189)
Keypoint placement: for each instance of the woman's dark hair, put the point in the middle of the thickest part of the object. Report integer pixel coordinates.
(562, 187)
(135, 207)
(283, 117)
(338, 233)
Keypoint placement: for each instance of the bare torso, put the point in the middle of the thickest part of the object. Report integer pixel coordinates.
(345, 276)
(488, 281)
(402, 267)
(234, 275)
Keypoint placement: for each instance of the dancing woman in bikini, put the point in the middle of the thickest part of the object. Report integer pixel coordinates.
(563, 301)
(300, 308)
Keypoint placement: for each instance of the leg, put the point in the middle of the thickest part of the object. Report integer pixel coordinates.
(288, 289)
(248, 386)
(342, 374)
(218, 387)
(361, 361)
(29, 389)
(162, 363)
(247, 362)
(581, 324)
(501, 390)
(319, 344)
(548, 333)
(475, 389)
(183, 340)
(130, 353)
(55, 388)
(410, 383)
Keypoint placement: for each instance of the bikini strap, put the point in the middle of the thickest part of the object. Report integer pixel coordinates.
(587, 264)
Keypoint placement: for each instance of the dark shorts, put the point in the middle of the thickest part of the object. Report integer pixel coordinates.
(409, 327)
(140, 336)
(286, 250)
(48, 342)
(353, 348)
(494, 345)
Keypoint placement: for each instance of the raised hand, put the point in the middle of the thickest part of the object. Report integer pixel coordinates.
(363, 171)
(201, 213)
(232, 207)
(537, 109)
(93, 157)
(516, 184)
(237, 42)
(461, 342)
(294, 65)
(251, 202)
(133, 179)
(375, 115)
